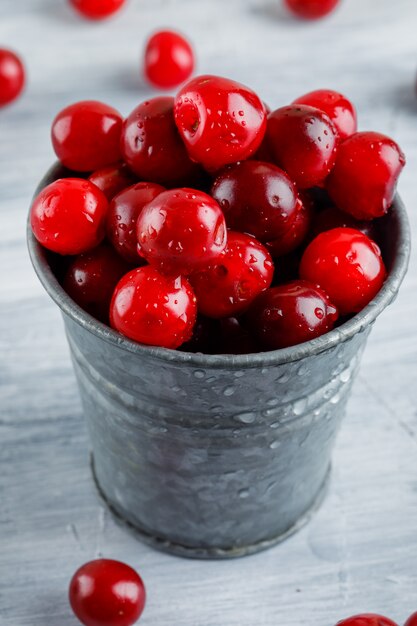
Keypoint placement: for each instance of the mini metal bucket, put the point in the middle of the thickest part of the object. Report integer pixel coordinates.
(217, 456)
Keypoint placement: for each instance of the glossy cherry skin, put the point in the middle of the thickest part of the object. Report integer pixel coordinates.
(86, 136)
(340, 110)
(365, 175)
(331, 217)
(256, 198)
(347, 265)
(12, 77)
(311, 9)
(97, 9)
(220, 121)
(303, 141)
(412, 620)
(240, 274)
(122, 217)
(169, 59)
(113, 179)
(181, 231)
(367, 619)
(69, 215)
(154, 309)
(91, 278)
(107, 593)
(290, 314)
(152, 146)
(296, 234)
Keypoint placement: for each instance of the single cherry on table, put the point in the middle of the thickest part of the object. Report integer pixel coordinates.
(105, 592)
(311, 9)
(412, 620)
(340, 110)
(97, 9)
(169, 59)
(367, 619)
(12, 76)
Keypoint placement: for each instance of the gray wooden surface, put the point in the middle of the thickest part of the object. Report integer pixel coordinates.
(360, 551)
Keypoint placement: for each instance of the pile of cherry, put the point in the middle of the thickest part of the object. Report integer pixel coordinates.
(208, 223)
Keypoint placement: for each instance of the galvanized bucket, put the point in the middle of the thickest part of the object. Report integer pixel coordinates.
(216, 456)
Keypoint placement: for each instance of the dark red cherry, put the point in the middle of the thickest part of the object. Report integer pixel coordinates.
(297, 233)
(204, 338)
(340, 110)
(152, 146)
(154, 309)
(240, 274)
(122, 217)
(291, 314)
(69, 215)
(181, 231)
(347, 265)
(169, 59)
(234, 338)
(364, 179)
(303, 141)
(113, 179)
(220, 121)
(412, 620)
(257, 198)
(331, 217)
(311, 9)
(86, 136)
(366, 619)
(91, 278)
(12, 76)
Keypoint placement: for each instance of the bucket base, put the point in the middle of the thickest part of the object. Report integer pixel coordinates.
(176, 549)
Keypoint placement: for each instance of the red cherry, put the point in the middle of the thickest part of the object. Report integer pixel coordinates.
(91, 278)
(234, 338)
(240, 274)
(152, 146)
(12, 76)
(347, 265)
(69, 215)
(97, 9)
(331, 217)
(181, 231)
(257, 198)
(367, 619)
(112, 179)
(169, 59)
(296, 233)
(365, 175)
(220, 121)
(86, 136)
(303, 141)
(154, 309)
(340, 110)
(311, 9)
(107, 593)
(122, 217)
(291, 314)
(412, 620)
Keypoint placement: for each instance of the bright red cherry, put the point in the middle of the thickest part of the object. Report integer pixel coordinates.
(257, 198)
(169, 59)
(181, 231)
(365, 175)
(154, 309)
(331, 217)
(340, 110)
(303, 141)
(86, 136)
(107, 593)
(240, 274)
(367, 619)
(412, 620)
(296, 233)
(69, 216)
(12, 76)
(91, 278)
(311, 9)
(122, 217)
(97, 9)
(291, 314)
(152, 146)
(113, 179)
(347, 265)
(220, 121)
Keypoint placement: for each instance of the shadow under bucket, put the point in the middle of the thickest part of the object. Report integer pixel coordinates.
(217, 456)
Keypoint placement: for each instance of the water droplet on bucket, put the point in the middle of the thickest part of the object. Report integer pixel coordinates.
(243, 493)
(229, 391)
(246, 418)
(275, 444)
(199, 374)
